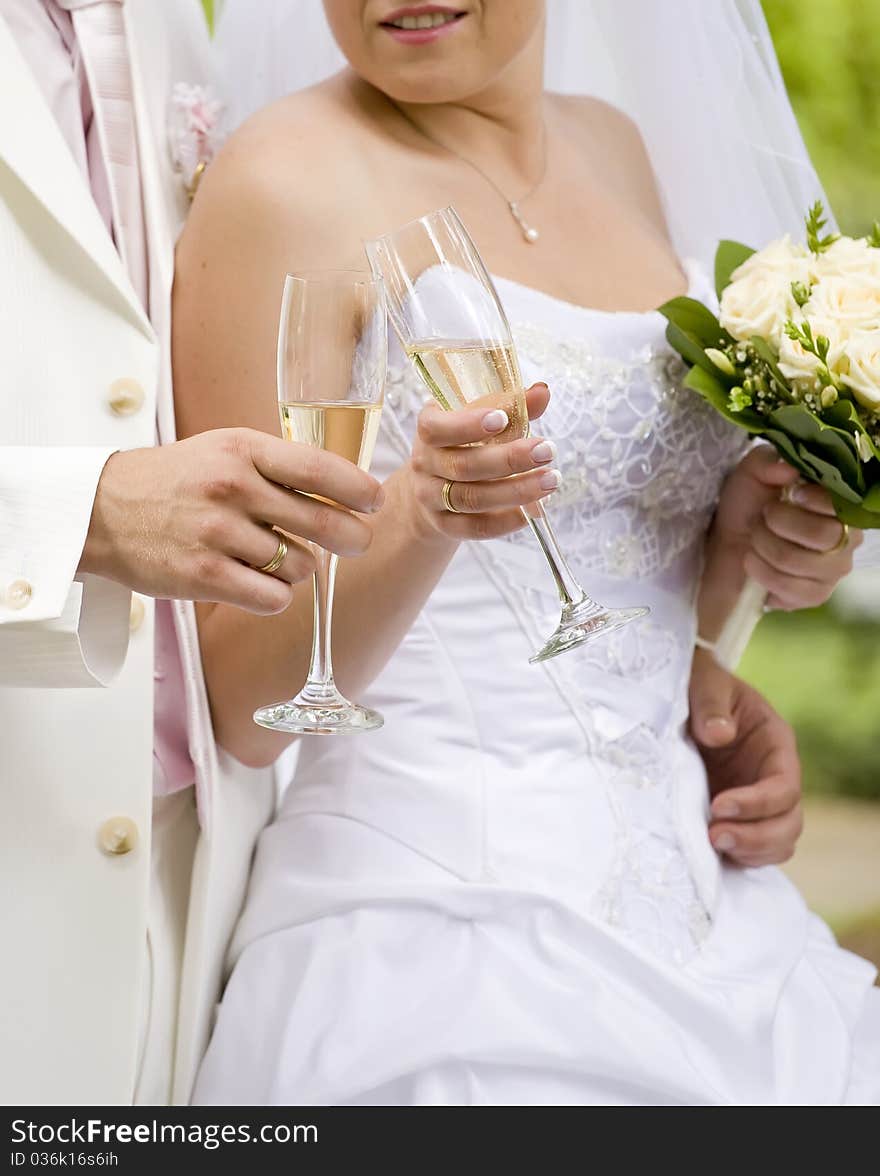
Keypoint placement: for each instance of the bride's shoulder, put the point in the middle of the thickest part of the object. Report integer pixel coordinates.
(300, 153)
(596, 123)
(612, 141)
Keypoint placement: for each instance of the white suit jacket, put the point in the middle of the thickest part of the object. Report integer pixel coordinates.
(74, 752)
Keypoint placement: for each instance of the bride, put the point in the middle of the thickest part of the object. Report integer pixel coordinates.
(508, 895)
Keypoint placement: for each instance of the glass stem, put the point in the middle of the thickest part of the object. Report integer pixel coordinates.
(320, 687)
(570, 591)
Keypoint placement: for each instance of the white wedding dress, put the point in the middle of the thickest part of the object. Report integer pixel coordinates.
(507, 895)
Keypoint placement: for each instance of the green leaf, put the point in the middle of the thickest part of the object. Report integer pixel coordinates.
(691, 349)
(825, 442)
(871, 501)
(816, 222)
(697, 320)
(856, 515)
(874, 236)
(829, 476)
(844, 415)
(787, 449)
(710, 386)
(729, 257)
(766, 352)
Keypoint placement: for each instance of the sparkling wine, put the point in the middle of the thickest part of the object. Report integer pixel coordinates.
(344, 427)
(461, 374)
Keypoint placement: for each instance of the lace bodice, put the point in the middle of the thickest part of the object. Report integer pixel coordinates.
(642, 460)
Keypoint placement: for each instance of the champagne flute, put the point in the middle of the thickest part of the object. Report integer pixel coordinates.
(451, 324)
(332, 354)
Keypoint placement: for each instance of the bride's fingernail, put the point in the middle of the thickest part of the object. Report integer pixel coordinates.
(495, 421)
(552, 480)
(543, 452)
(725, 843)
(799, 495)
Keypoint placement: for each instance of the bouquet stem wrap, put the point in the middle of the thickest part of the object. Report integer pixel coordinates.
(740, 625)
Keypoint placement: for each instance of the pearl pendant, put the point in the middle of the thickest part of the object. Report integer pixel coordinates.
(530, 235)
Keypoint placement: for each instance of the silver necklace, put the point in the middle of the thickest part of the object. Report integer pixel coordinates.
(529, 232)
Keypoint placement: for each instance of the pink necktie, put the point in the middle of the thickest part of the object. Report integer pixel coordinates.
(100, 33)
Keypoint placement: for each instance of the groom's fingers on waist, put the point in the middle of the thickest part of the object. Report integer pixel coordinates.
(761, 843)
(756, 802)
(314, 471)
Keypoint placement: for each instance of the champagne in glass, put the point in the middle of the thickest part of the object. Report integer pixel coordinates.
(332, 348)
(470, 375)
(451, 323)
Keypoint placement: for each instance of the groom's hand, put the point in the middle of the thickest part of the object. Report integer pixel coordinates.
(193, 520)
(752, 762)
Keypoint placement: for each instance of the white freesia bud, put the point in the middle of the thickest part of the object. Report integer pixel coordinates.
(847, 257)
(863, 369)
(863, 445)
(852, 303)
(720, 360)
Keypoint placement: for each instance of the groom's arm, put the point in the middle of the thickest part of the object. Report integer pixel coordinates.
(56, 629)
(80, 528)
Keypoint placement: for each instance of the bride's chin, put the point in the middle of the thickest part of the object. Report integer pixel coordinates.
(427, 87)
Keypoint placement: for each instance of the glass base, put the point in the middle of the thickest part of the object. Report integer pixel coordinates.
(585, 622)
(300, 717)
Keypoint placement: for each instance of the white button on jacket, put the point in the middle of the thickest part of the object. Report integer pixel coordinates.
(18, 594)
(126, 397)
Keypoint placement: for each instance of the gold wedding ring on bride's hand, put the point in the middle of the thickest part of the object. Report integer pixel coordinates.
(277, 559)
(447, 501)
(842, 542)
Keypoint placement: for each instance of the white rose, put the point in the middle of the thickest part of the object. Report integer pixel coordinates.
(758, 303)
(847, 257)
(863, 368)
(853, 303)
(800, 366)
(783, 256)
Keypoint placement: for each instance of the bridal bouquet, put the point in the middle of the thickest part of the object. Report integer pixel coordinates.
(794, 357)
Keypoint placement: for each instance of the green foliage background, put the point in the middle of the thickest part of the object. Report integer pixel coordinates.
(830, 55)
(822, 672)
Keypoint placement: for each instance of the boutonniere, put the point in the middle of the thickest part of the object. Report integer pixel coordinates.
(196, 132)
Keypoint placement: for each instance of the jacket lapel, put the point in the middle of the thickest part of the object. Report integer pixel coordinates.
(168, 44)
(32, 146)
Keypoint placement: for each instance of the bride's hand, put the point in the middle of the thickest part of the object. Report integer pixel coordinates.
(752, 763)
(485, 496)
(790, 539)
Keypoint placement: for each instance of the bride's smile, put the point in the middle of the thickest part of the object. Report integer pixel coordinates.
(422, 24)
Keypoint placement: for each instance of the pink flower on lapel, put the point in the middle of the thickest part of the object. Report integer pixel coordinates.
(196, 131)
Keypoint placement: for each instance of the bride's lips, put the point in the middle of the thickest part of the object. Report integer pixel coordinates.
(422, 36)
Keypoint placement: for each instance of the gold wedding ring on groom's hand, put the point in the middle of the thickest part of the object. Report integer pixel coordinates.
(277, 559)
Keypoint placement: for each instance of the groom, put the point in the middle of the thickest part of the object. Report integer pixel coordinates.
(99, 870)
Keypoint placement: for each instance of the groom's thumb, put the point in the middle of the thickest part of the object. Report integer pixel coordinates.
(712, 698)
